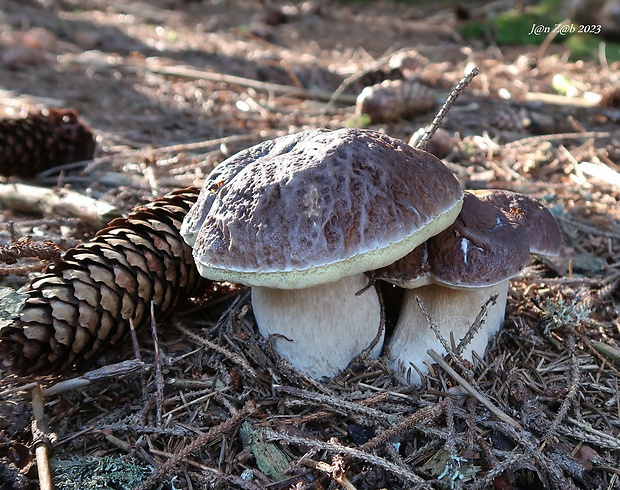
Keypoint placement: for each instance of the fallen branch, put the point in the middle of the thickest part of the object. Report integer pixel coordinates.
(473, 392)
(21, 270)
(41, 439)
(64, 202)
(27, 248)
(608, 351)
(106, 373)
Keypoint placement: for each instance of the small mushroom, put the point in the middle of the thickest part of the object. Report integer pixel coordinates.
(302, 217)
(457, 271)
(541, 228)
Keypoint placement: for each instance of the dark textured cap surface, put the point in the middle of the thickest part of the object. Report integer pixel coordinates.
(317, 206)
(226, 172)
(542, 229)
(483, 247)
(412, 271)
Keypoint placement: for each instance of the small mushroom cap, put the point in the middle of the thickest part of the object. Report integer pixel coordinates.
(412, 271)
(541, 227)
(317, 206)
(481, 248)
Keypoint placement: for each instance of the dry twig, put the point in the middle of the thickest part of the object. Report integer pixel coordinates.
(416, 419)
(235, 358)
(214, 432)
(159, 377)
(337, 403)
(404, 474)
(443, 111)
(473, 392)
(53, 202)
(569, 399)
(41, 439)
(44, 251)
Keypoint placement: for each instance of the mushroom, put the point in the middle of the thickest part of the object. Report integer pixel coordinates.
(542, 231)
(455, 273)
(300, 219)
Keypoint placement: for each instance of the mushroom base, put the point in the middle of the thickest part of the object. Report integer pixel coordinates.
(453, 311)
(321, 329)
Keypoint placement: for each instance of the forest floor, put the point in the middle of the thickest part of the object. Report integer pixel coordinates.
(172, 88)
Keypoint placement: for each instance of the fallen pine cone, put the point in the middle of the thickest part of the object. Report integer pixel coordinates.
(393, 99)
(87, 301)
(523, 120)
(43, 140)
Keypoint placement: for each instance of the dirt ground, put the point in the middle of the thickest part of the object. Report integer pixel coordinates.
(171, 88)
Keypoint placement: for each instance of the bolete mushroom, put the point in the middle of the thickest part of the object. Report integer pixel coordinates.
(456, 272)
(301, 218)
(542, 231)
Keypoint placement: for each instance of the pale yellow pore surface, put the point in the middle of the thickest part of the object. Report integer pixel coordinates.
(452, 310)
(320, 330)
(369, 260)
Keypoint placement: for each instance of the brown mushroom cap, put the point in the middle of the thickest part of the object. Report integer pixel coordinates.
(541, 227)
(222, 173)
(481, 248)
(317, 206)
(411, 271)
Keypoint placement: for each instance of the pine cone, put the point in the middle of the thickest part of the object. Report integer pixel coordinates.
(43, 140)
(392, 99)
(523, 120)
(511, 119)
(86, 301)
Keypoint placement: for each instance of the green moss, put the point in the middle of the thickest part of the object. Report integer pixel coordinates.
(587, 46)
(356, 121)
(514, 27)
(474, 30)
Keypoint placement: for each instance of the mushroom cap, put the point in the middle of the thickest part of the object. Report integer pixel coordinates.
(482, 248)
(541, 227)
(316, 206)
(224, 172)
(411, 271)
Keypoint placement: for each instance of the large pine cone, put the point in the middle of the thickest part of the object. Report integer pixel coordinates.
(43, 140)
(86, 301)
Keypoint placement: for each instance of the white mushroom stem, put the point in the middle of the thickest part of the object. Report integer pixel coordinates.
(453, 311)
(320, 329)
